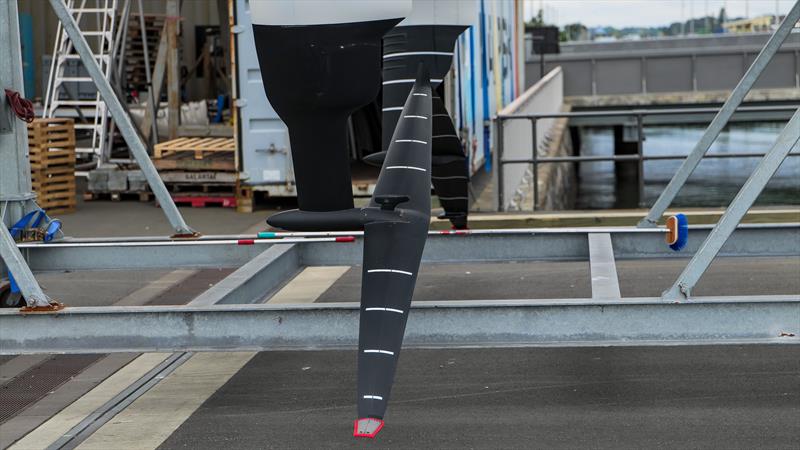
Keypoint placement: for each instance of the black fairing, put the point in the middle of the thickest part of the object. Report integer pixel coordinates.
(315, 76)
(451, 179)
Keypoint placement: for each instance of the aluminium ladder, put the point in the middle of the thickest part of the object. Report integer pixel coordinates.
(98, 25)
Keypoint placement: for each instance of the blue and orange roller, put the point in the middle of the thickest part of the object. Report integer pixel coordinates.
(677, 232)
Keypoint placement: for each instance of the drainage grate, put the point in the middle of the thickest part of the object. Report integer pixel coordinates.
(35, 383)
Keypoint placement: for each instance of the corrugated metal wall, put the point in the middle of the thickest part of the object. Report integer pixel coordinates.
(193, 12)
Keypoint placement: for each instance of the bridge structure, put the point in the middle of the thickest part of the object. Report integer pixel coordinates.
(674, 70)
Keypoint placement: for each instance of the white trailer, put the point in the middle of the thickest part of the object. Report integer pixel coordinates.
(487, 74)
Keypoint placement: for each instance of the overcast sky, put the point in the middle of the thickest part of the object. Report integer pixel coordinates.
(622, 13)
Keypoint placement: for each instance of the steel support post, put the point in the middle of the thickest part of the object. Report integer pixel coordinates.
(722, 117)
(151, 100)
(28, 286)
(122, 120)
(534, 158)
(499, 165)
(640, 154)
(16, 197)
(708, 250)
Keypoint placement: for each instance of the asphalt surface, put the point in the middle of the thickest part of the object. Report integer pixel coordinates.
(572, 279)
(636, 397)
(103, 218)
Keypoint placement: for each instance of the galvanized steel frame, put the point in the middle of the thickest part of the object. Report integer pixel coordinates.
(218, 320)
(726, 225)
(448, 324)
(229, 316)
(546, 244)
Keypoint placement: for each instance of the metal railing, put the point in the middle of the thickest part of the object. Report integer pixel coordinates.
(637, 114)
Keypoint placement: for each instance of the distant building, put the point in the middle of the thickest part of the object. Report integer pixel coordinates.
(754, 25)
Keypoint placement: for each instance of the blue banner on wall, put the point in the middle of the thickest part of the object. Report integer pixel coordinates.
(28, 65)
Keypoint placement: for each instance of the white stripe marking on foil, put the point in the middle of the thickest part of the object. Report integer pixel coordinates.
(398, 311)
(390, 271)
(397, 55)
(406, 167)
(409, 80)
(385, 352)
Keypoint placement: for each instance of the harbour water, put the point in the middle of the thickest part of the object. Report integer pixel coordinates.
(715, 181)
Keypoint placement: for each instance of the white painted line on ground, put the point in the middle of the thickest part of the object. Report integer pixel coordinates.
(153, 417)
(154, 289)
(56, 426)
(44, 434)
(165, 407)
(605, 284)
(309, 284)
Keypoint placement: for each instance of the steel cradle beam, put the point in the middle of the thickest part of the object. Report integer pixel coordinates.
(256, 280)
(494, 323)
(747, 240)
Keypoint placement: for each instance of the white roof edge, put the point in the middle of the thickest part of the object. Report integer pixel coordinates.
(319, 12)
(442, 12)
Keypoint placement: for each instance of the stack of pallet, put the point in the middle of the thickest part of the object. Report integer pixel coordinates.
(134, 49)
(199, 171)
(51, 146)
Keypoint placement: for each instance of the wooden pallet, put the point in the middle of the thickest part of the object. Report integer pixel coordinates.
(204, 200)
(51, 142)
(51, 148)
(218, 162)
(52, 176)
(142, 196)
(199, 146)
(56, 197)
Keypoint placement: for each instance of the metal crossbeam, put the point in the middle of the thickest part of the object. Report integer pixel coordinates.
(721, 119)
(787, 139)
(256, 280)
(542, 244)
(448, 324)
(122, 120)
